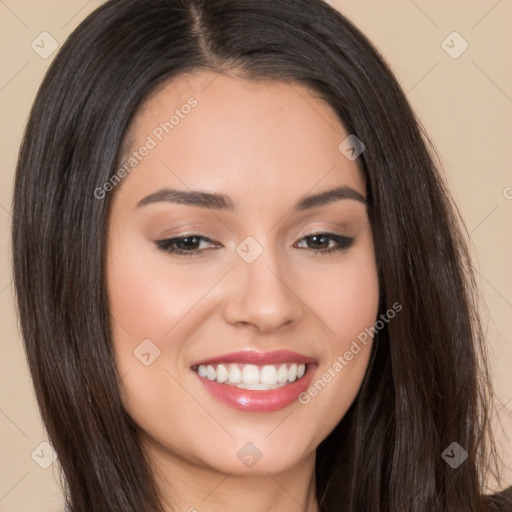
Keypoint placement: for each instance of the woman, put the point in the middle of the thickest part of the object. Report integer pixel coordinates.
(241, 281)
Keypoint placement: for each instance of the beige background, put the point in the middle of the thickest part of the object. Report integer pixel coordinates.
(465, 104)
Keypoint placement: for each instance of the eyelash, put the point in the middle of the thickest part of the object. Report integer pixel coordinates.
(168, 245)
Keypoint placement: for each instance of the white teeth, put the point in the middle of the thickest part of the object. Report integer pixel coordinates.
(222, 373)
(235, 374)
(282, 374)
(211, 374)
(250, 376)
(292, 372)
(269, 375)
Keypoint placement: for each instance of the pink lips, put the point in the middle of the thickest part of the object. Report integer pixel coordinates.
(259, 400)
(258, 358)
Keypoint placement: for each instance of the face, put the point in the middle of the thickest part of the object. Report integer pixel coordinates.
(240, 272)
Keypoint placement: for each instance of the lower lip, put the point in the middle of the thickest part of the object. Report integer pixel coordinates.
(248, 400)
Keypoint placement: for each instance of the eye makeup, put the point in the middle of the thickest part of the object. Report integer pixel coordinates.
(190, 244)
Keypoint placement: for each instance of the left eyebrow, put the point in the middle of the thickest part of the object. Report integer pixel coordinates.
(223, 202)
(329, 196)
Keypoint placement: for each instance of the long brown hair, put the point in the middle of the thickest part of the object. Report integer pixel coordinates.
(427, 383)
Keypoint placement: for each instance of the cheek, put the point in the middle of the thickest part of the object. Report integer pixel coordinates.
(346, 300)
(148, 295)
(148, 303)
(345, 296)
(145, 305)
(354, 303)
(149, 308)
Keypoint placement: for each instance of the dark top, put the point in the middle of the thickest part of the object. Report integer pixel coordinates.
(500, 502)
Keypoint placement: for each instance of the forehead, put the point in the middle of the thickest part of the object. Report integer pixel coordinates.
(227, 130)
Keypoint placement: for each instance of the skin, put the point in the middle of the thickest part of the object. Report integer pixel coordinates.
(265, 145)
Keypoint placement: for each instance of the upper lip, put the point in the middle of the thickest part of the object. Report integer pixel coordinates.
(258, 358)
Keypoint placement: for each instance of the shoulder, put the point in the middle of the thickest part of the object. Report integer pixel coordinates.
(500, 502)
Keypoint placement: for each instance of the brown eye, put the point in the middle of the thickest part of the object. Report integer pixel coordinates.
(326, 242)
(318, 242)
(186, 245)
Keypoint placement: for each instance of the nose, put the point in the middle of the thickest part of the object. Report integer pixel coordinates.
(262, 296)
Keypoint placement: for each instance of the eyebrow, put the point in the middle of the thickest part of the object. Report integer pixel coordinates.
(222, 202)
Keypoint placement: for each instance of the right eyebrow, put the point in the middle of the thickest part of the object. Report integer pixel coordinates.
(190, 198)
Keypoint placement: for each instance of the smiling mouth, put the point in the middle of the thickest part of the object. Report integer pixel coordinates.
(251, 376)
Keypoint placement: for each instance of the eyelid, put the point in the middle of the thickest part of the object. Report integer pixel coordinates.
(181, 236)
(344, 242)
(168, 245)
(339, 230)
